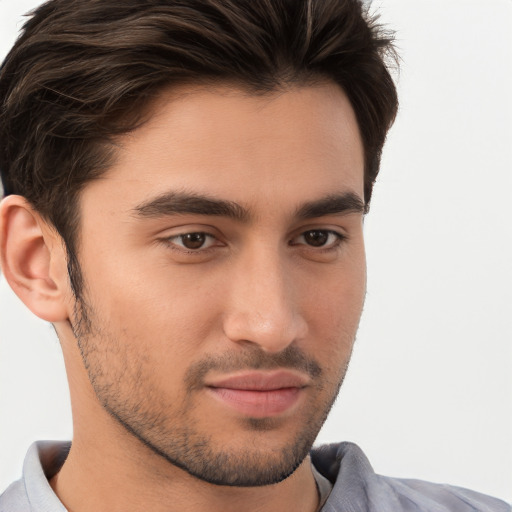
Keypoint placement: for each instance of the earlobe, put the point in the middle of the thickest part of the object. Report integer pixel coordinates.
(32, 259)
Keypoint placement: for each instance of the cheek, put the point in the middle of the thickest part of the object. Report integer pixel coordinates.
(163, 313)
(333, 309)
(336, 296)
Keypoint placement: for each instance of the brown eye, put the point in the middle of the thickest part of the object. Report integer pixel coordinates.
(193, 240)
(316, 238)
(322, 238)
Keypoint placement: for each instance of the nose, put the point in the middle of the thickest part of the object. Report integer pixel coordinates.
(264, 307)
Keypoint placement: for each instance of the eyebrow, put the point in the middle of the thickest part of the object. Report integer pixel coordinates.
(182, 203)
(334, 204)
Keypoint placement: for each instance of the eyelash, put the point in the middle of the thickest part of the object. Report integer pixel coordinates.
(170, 241)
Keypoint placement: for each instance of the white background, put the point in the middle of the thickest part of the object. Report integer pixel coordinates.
(429, 391)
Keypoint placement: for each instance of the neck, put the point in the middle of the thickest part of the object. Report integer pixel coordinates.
(127, 478)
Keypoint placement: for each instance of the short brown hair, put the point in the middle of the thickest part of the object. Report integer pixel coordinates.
(84, 71)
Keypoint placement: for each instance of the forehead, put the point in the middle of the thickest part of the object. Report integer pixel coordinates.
(300, 142)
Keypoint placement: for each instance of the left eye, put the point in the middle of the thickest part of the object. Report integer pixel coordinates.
(319, 238)
(192, 241)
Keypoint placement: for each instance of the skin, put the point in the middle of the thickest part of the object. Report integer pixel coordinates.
(159, 321)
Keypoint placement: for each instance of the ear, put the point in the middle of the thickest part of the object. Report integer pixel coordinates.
(33, 259)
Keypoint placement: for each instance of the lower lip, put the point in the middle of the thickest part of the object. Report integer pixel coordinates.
(258, 404)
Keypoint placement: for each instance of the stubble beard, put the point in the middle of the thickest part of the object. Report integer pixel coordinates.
(179, 439)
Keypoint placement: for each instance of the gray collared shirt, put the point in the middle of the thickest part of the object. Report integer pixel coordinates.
(355, 486)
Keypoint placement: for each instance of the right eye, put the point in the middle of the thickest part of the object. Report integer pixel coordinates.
(192, 241)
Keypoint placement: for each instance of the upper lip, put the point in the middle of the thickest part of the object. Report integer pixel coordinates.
(261, 381)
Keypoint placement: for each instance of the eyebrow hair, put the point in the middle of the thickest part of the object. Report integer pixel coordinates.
(348, 202)
(176, 203)
(180, 203)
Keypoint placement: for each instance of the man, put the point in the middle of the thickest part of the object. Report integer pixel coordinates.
(185, 187)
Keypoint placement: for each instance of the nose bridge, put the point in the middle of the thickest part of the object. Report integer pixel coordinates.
(263, 309)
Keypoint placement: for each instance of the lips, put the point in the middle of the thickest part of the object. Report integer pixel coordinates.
(261, 381)
(259, 394)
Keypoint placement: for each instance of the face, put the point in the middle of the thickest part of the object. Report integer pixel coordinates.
(224, 272)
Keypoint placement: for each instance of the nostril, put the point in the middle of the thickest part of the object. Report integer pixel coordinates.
(272, 333)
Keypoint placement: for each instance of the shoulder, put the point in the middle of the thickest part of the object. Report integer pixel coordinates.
(428, 496)
(33, 492)
(14, 498)
(358, 488)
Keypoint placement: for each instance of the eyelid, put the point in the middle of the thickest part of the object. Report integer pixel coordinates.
(168, 232)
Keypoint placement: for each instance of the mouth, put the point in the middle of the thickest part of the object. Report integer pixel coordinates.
(259, 394)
